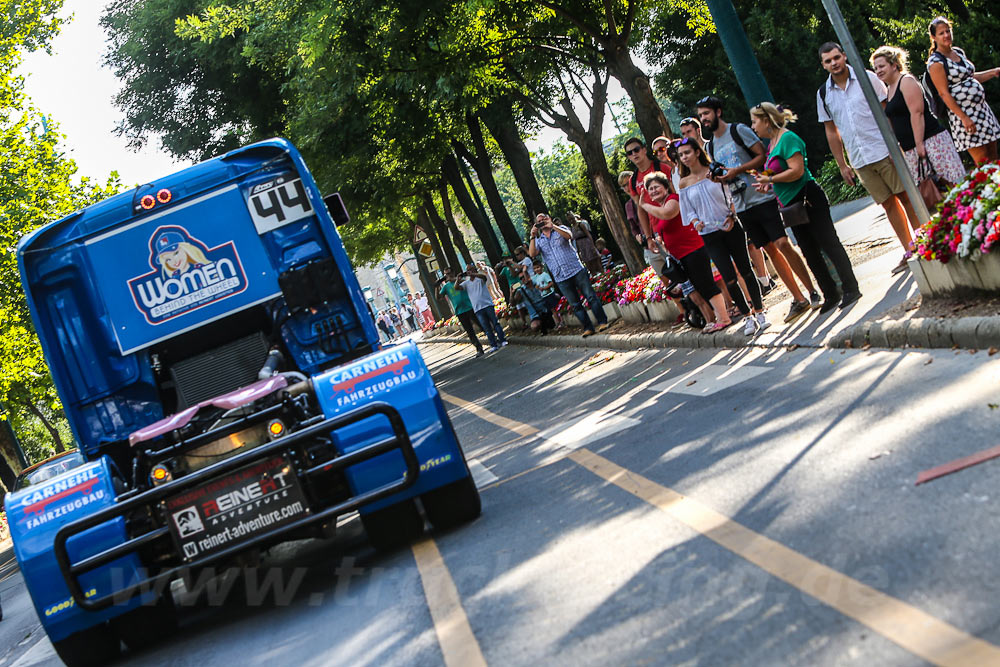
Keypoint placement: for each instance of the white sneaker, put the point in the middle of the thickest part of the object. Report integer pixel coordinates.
(750, 326)
(762, 322)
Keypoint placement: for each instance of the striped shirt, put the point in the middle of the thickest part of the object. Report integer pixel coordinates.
(558, 254)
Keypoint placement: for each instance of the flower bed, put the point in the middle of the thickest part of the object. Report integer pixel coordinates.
(968, 222)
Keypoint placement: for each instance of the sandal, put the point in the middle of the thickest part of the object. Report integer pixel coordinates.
(715, 327)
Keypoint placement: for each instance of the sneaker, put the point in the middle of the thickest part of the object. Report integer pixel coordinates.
(750, 326)
(479, 354)
(602, 327)
(494, 348)
(797, 308)
(503, 344)
(902, 266)
(815, 300)
(829, 305)
(587, 332)
(762, 322)
(849, 298)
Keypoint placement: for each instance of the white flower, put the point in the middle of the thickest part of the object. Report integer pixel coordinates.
(996, 177)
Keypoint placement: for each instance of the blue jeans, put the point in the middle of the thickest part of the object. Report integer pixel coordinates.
(491, 325)
(577, 285)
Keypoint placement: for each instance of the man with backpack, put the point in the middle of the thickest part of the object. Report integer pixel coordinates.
(735, 146)
(844, 112)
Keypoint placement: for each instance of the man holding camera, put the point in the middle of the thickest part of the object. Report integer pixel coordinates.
(462, 306)
(553, 242)
(737, 151)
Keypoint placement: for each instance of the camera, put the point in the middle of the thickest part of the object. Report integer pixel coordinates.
(737, 186)
(717, 169)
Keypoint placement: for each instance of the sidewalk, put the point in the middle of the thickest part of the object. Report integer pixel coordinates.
(860, 224)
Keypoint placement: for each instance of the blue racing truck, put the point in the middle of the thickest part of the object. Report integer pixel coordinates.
(224, 379)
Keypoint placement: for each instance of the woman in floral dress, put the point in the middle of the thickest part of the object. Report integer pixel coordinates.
(973, 125)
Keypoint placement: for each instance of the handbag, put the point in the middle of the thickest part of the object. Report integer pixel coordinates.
(795, 214)
(928, 183)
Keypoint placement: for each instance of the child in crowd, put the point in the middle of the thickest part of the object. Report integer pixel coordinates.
(547, 288)
(602, 250)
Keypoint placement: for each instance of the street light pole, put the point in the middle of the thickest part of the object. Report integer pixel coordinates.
(855, 60)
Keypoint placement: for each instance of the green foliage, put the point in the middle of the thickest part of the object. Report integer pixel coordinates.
(36, 187)
(836, 188)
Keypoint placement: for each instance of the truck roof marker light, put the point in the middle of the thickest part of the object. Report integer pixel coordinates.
(147, 202)
(163, 196)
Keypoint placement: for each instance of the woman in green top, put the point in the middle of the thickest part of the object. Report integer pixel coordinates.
(787, 172)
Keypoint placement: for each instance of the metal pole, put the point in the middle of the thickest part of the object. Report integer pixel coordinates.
(741, 56)
(855, 60)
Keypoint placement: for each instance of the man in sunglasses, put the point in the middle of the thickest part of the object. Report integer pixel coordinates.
(636, 152)
(740, 150)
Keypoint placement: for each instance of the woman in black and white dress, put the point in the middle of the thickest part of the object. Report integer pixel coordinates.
(973, 125)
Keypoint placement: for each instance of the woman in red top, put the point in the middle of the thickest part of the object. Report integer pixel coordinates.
(684, 243)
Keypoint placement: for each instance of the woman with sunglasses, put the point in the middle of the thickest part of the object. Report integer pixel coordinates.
(685, 244)
(707, 206)
(787, 171)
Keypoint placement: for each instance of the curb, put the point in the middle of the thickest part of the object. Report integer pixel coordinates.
(966, 332)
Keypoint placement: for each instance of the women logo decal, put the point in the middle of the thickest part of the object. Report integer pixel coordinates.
(186, 275)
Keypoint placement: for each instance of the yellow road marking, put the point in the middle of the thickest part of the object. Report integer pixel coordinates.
(458, 644)
(916, 631)
(486, 415)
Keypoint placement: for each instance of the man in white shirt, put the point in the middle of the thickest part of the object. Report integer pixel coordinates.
(474, 284)
(847, 118)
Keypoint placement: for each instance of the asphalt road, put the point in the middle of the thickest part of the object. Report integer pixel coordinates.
(653, 507)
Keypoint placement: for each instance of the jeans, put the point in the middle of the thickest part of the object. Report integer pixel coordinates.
(491, 325)
(572, 288)
(466, 318)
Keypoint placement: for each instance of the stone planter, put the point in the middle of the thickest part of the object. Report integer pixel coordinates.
(612, 312)
(662, 311)
(958, 275)
(634, 313)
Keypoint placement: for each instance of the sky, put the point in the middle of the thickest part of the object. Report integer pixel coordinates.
(72, 88)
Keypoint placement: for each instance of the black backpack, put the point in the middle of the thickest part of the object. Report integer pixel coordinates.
(737, 139)
(938, 107)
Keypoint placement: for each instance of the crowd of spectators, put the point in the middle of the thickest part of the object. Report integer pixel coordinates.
(707, 208)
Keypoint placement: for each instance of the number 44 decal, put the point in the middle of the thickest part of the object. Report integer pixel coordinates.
(278, 203)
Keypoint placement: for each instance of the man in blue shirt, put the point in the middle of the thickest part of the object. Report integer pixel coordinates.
(553, 242)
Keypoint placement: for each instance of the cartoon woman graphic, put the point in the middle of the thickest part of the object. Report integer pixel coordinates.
(175, 254)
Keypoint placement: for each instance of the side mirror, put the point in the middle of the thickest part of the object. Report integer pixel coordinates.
(335, 205)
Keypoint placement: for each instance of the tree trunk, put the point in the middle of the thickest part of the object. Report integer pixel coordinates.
(588, 140)
(56, 438)
(10, 462)
(607, 189)
(500, 122)
(484, 168)
(648, 114)
(483, 228)
(440, 230)
(456, 233)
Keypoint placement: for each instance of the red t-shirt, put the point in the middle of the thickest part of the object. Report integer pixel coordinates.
(679, 239)
(640, 190)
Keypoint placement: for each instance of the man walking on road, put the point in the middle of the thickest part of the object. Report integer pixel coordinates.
(462, 306)
(740, 150)
(476, 286)
(847, 118)
(553, 242)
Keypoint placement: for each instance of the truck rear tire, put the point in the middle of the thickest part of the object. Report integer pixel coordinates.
(92, 647)
(452, 504)
(148, 624)
(394, 526)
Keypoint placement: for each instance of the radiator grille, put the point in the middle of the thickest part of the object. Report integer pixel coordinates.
(220, 370)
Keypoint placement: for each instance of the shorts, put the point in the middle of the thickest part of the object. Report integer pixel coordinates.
(763, 223)
(880, 179)
(686, 287)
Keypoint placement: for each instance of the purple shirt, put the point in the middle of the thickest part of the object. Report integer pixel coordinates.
(558, 254)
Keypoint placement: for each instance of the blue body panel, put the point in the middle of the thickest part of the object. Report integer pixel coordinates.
(35, 515)
(400, 377)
